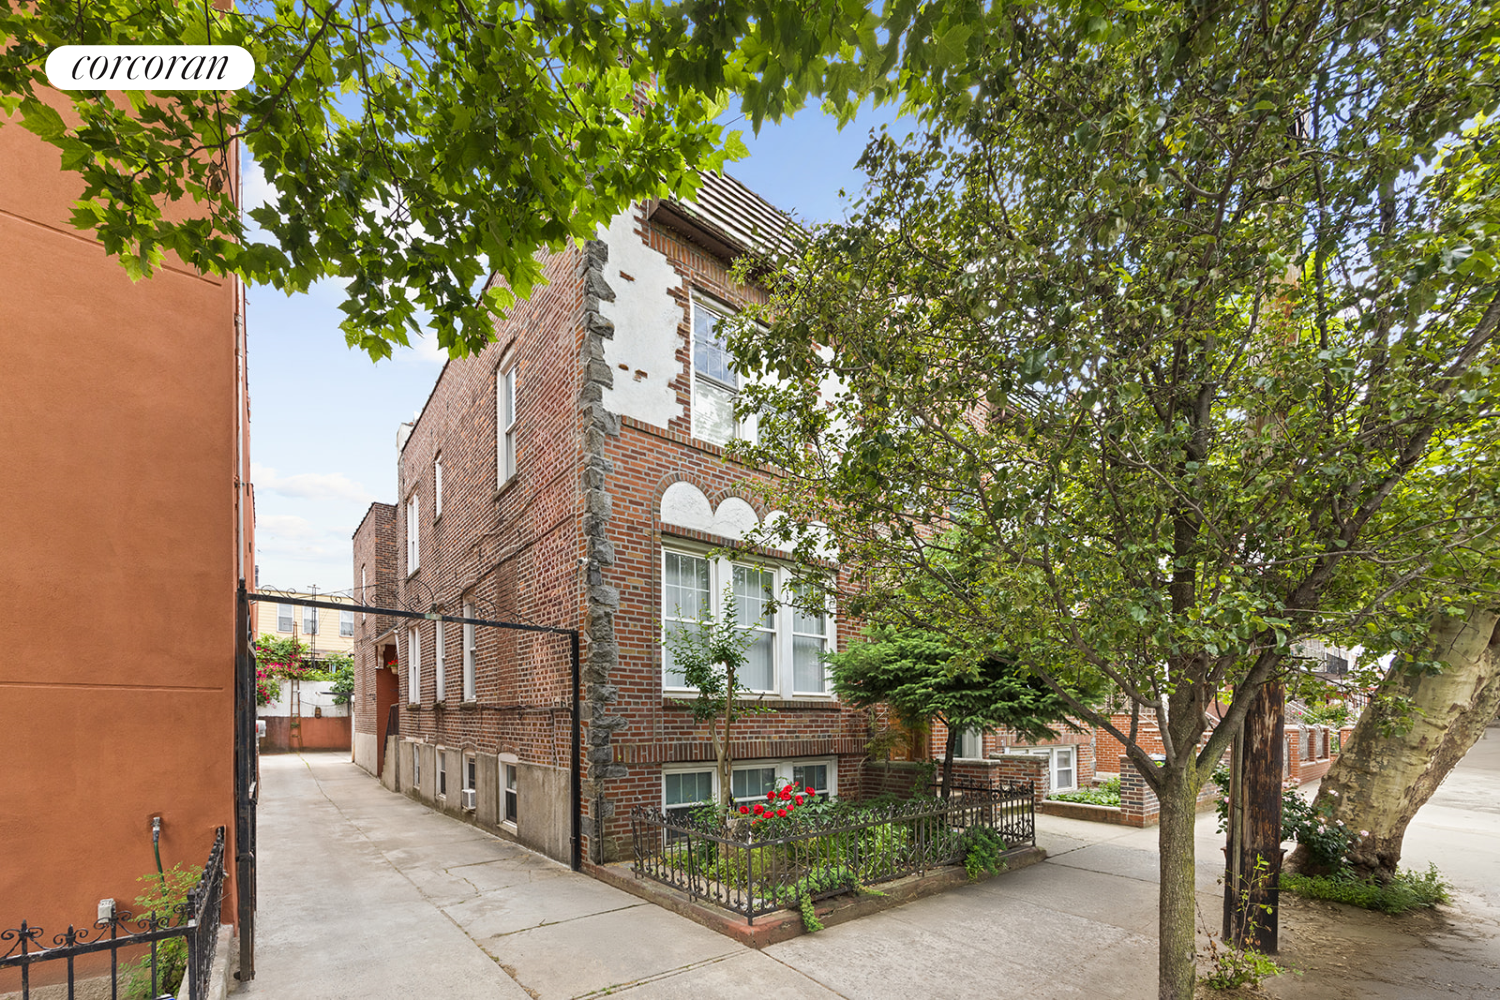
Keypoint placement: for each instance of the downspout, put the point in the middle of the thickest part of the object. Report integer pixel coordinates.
(576, 771)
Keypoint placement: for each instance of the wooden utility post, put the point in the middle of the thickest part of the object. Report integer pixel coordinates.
(1254, 853)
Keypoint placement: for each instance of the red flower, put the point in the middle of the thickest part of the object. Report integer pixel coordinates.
(771, 794)
(810, 791)
(799, 800)
(759, 808)
(781, 812)
(744, 810)
(786, 795)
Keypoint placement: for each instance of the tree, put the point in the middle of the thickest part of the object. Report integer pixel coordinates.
(711, 656)
(924, 676)
(416, 148)
(1431, 712)
(1201, 374)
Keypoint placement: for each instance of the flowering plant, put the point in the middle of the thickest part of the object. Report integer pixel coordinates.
(267, 688)
(780, 803)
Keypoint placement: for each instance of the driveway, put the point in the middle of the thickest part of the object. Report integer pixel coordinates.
(365, 894)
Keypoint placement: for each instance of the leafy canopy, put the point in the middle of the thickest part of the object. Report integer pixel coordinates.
(922, 676)
(415, 147)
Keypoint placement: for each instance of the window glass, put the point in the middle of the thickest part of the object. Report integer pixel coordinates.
(505, 417)
(809, 643)
(283, 617)
(442, 773)
(346, 623)
(413, 531)
(711, 357)
(684, 791)
(511, 803)
(753, 591)
(752, 782)
(470, 655)
(437, 487)
(970, 744)
(1063, 773)
(686, 598)
(814, 776)
(414, 666)
(713, 413)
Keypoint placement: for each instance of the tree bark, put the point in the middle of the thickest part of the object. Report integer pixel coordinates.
(1250, 892)
(1379, 782)
(1177, 968)
(948, 749)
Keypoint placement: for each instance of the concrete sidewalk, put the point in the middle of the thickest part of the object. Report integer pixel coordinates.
(364, 893)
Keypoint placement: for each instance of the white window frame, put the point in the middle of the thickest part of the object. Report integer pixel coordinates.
(290, 613)
(364, 597)
(510, 790)
(1053, 753)
(720, 572)
(437, 487)
(785, 768)
(346, 621)
(416, 766)
(471, 655)
(963, 743)
(442, 774)
(309, 621)
(505, 425)
(471, 772)
(414, 666)
(700, 301)
(413, 533)
(439, 662)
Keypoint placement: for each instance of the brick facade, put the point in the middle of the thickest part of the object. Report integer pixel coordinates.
(575, 540)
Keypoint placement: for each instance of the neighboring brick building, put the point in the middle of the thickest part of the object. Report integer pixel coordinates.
(572, 474)
(1069, 758)
(375, 682)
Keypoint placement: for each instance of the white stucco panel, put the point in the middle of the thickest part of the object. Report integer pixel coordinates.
(646, 319)
(684, 505)
(735, 519)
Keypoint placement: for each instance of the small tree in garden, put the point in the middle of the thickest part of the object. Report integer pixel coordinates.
(711, 656)
(925, 676)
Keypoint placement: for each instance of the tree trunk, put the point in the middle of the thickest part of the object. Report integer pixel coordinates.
(721, 749)
(1250, 891)
(1379, 782)
(1177, 957)
(948, 749)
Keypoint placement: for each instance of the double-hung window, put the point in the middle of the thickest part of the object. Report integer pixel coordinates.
(364, 595)
(284, 618)
(1062, 764)
(505, 423)
(786, 643)
(309, 621)
(970, 744)
(715, 383)
(346, 623)
(413, 533)
(437, 487)
(470, 654)
(509, 783)
(442, 772)
(414, 666)
(685, 788)
(809, 644)
(416, 765)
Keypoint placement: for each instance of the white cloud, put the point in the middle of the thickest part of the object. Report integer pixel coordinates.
(309, 485)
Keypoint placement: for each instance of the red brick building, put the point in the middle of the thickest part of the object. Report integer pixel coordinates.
(573, 474)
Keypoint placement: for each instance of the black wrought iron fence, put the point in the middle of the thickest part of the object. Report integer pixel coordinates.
(731, 869)
(196, 922)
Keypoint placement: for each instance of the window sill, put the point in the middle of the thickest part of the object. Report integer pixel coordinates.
(504, 487)
(464, 705)
(413, 706)
(671, 700)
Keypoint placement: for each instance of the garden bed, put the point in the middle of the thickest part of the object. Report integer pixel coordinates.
(786, 924)
(795, 850)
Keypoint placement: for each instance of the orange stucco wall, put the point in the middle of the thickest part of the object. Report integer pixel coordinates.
(125, 517)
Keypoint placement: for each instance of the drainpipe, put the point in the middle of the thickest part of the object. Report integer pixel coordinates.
(577, 769)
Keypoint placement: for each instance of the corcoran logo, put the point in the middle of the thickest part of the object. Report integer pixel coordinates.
(149, 67)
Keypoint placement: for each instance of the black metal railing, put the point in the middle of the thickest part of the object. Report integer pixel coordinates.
(196, 922)
(730, 869)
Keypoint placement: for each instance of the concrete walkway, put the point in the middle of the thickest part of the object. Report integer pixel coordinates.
(365, 894)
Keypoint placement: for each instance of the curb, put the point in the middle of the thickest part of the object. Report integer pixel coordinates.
(783, 925)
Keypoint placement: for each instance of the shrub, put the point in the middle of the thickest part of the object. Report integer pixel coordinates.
(982, 850)
(165, 894)
(1106, 794)
(1407, 891)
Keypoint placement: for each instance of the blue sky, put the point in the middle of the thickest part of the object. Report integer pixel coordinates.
(323, 418)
